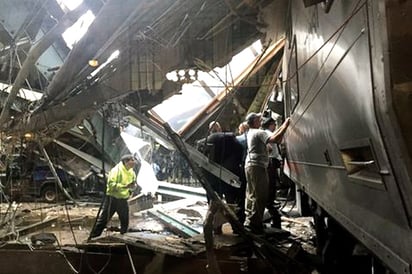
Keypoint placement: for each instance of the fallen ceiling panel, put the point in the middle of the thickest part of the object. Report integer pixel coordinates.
(159, 28)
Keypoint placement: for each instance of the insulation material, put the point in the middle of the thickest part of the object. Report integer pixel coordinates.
(146, 178)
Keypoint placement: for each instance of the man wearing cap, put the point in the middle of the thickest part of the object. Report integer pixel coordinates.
(214, 127)
(256, 164)
(120, 180)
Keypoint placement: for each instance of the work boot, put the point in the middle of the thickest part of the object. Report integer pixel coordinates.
(276, 221)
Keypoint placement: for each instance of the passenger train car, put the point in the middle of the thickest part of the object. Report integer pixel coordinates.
(347, 82)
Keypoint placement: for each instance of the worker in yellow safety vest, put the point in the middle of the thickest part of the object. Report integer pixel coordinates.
(120, 181)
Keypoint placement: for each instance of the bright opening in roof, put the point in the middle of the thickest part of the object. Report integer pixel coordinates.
(193, 97)
(73, 34)
(69, 4)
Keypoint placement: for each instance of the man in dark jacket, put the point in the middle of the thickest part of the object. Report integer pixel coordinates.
(224, 149)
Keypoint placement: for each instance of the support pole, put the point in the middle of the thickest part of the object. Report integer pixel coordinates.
(56, 176)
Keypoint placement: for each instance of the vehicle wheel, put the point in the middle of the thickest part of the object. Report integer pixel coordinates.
(49, 194)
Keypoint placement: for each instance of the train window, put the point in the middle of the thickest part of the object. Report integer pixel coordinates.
(292, 83)
(361, 165)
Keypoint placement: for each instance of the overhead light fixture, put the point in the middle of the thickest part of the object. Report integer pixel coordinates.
(115, 54)
(184, 76)
(93, 63)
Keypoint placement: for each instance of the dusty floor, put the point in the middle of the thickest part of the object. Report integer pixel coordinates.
(71, 224)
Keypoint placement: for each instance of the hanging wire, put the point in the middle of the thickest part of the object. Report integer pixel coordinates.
(235, 88)
(104, 173)
(61, 251)
(130, 259)
(11, 51)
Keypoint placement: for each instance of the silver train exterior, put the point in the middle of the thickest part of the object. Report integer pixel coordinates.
(347, 77)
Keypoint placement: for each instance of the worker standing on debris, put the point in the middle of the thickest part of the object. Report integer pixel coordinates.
(269, 125)
(241, 138)
(120, 181)
(256, 164)
(223, 149)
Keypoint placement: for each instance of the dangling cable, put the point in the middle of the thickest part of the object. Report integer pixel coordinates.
(104, 174)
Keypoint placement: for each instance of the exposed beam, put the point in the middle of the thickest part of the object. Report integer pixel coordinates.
(112, 22)
(87, 157)
(72, 111)
(54, 172)
(227, 93)
(34, 54)
(219, 171)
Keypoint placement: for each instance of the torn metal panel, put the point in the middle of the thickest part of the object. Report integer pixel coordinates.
(154, 37)
(102, 29)
(195, 155)
(140, 202)
(111, 24)
(17, 259)
(87, 157)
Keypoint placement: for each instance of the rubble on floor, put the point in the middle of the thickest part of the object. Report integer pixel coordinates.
(173, 229)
